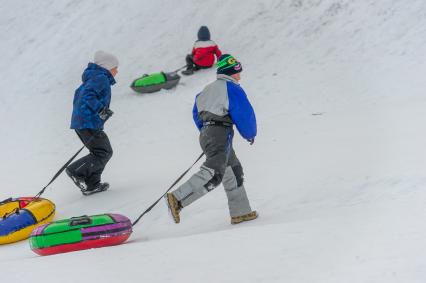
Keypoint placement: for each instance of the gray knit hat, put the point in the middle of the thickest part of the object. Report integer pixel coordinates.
(105, 60)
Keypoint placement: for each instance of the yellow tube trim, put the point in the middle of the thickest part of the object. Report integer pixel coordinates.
(43, 211)
(8, 207)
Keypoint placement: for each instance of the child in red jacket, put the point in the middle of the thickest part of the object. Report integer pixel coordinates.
(203, 52)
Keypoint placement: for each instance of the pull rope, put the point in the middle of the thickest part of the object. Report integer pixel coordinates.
(58, 173)
(174, 183)
(177, 70)
(66, 164)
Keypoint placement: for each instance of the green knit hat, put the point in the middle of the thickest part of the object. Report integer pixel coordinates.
(228, 65)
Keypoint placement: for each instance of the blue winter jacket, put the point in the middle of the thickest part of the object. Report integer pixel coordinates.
(92, 96)
(224, 100)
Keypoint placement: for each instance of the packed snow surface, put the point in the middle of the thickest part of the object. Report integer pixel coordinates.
(337, 171)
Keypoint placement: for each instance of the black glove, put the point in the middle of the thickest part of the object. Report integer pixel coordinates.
(251, 141)
(105, 113)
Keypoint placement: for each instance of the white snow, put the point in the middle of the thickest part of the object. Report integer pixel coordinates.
(337, 171)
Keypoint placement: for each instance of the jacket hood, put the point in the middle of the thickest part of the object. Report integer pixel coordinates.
(94, 70)
(203, 33)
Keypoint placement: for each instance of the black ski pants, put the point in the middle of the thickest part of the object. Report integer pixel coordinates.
(91, 166)
(190, 64)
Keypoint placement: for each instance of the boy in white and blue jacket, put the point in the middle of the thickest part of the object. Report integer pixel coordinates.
(217, 108)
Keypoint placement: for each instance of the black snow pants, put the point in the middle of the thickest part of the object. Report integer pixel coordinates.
(190, 64)
(91, 166)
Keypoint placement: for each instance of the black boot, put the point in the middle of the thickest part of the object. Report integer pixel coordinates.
(99, 187)
(78, 181)
(188, 72)
(189, 66)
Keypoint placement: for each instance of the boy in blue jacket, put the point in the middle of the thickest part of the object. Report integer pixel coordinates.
(90, 111)
(217, 108)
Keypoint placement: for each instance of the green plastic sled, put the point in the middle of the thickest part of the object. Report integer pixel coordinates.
(155, 82)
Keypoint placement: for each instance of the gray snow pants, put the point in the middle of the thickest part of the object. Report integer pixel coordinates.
(221, 166)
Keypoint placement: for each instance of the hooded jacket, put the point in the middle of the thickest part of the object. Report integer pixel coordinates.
(205, 49)
(224, 100)
(93, 95)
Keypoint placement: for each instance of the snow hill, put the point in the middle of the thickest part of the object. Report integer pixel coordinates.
(337, 171)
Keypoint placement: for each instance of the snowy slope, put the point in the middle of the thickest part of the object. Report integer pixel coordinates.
(337, 171)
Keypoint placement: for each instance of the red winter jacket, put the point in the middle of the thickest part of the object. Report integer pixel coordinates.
(204, 51)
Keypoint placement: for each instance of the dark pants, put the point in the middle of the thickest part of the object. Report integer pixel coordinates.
(221, 166)
(190, 64)
(216, 143)
(91, 166)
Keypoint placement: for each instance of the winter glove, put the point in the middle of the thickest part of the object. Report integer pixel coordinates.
(105, 113)
(251, 141)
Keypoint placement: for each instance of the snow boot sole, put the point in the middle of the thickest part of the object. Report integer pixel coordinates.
(101, 188)
(246, 217)
(173, 205)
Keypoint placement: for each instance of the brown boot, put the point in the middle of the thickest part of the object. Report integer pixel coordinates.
(246, 217)
(174, 207)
